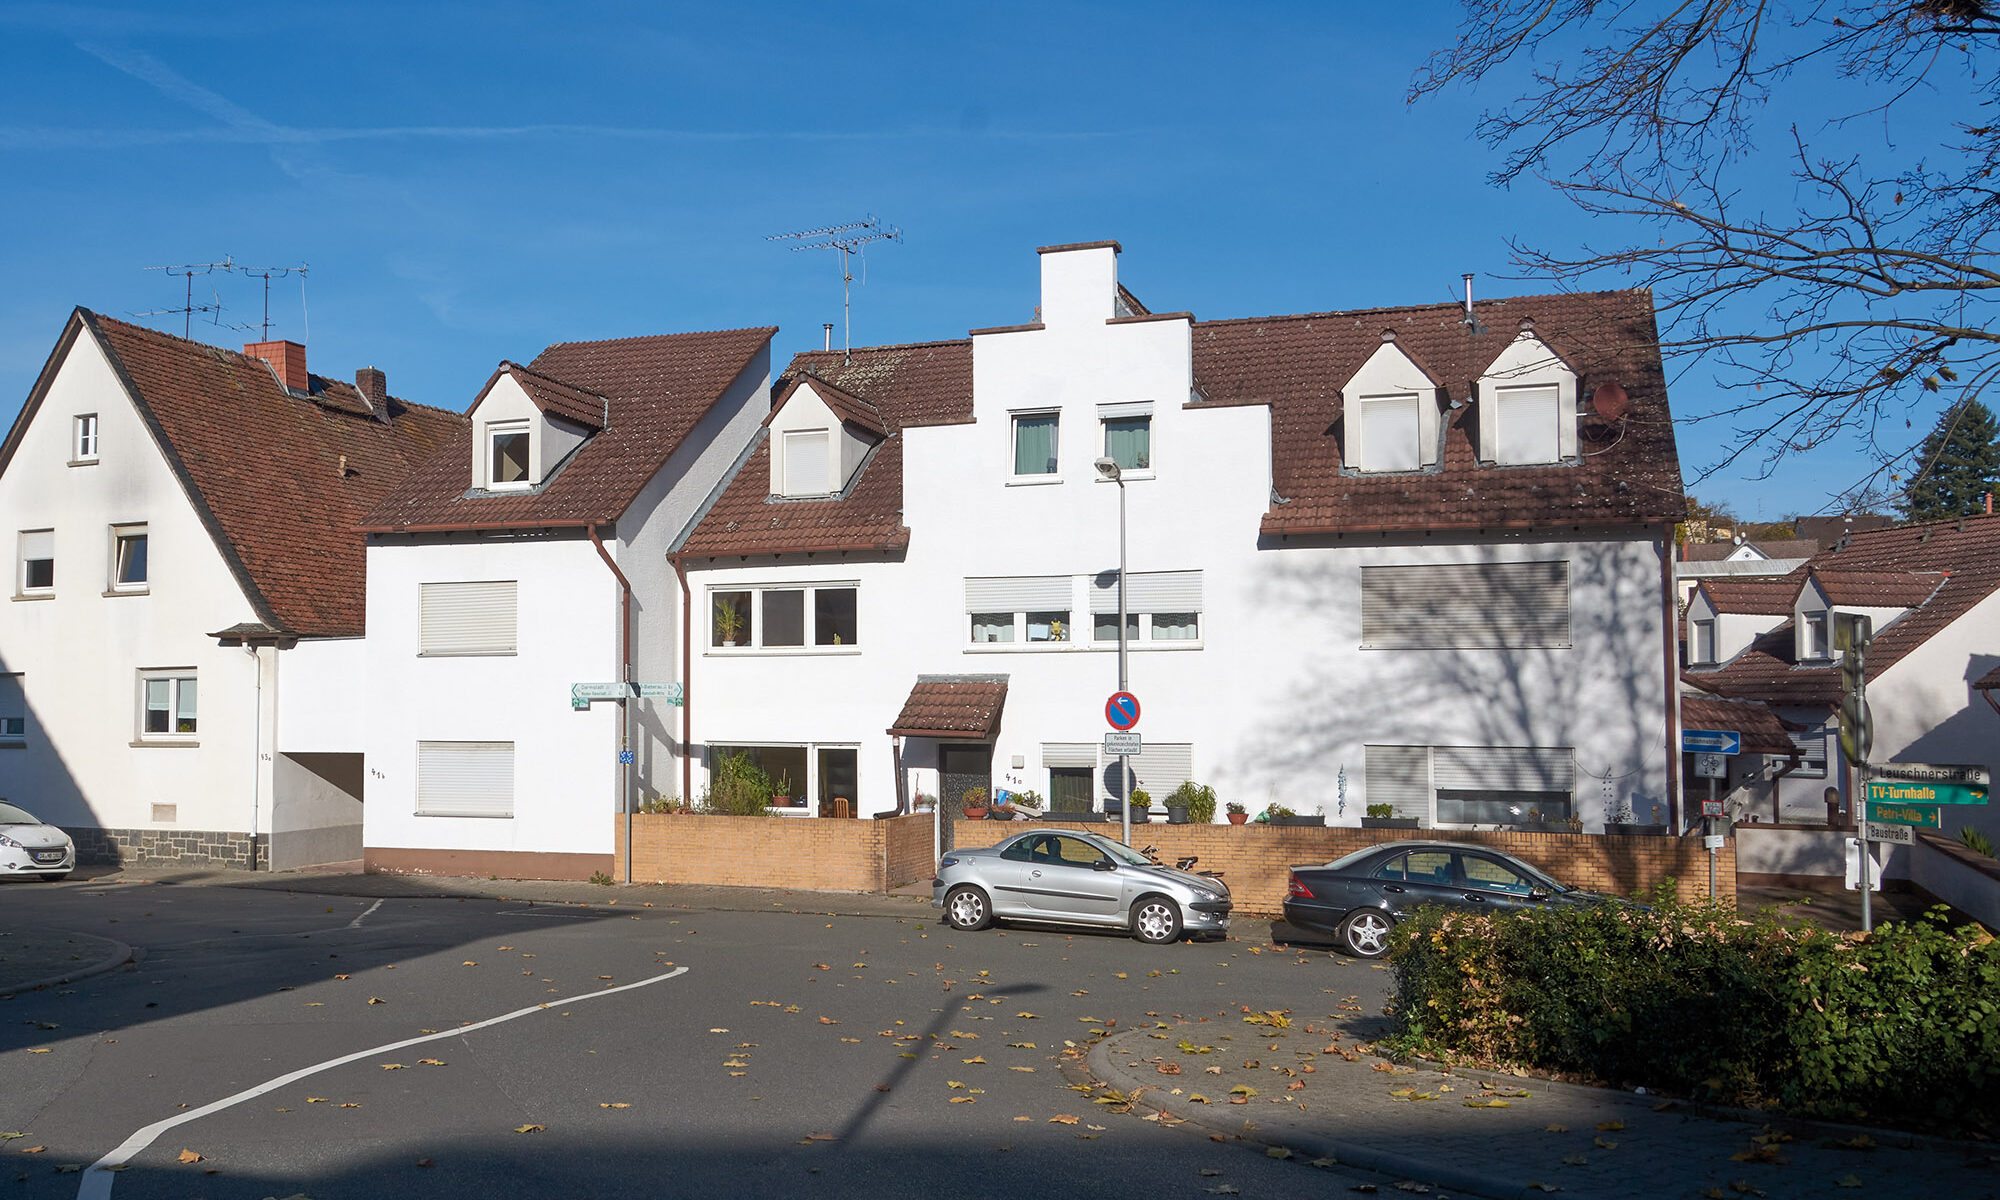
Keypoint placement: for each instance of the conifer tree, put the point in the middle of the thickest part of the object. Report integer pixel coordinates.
(1958, 464)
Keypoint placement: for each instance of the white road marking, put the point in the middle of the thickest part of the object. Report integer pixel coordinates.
(356, 922)
(97, 1181)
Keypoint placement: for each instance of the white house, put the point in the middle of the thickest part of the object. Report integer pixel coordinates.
(177, 660)
(525, 558)
(1932, 592)
(1417, 556)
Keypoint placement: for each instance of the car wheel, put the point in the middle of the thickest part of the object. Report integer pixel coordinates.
(54, 876)
(1156, 919)
(1365, 933)
(967, 908)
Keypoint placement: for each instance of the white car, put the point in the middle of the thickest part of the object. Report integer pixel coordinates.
(28, 847)
(1068, 877)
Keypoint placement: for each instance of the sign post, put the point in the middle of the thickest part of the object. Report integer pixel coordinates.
(1711, 749)
(1121, 712)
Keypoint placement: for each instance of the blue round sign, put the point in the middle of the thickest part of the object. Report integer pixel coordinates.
(1122, 710)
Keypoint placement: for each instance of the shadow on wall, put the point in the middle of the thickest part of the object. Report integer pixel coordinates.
(1970, 735)
(1467, 697)
(33, 773)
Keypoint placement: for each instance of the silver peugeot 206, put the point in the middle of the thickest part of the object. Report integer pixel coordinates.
(1067, 877)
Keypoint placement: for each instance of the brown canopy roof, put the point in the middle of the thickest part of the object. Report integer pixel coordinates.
(1763, 731)
(953, 706)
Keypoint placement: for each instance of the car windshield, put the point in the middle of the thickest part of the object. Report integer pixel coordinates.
(9, 815)
(1351, 859)
(1535, 876)
(1123, 853)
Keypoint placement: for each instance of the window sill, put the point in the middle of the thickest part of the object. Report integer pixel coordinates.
(34, 595)
(468, 653)
(1033, 480)
(84, 462)
(476, 816)
(130, 591)
(165, 744)
(780, 651)
(14, 744)
(1076, 647)
(1133, 476)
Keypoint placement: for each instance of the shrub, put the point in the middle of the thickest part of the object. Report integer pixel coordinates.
(1197, 798)
(973, 797)
(1976, 841)
(737, 787)
(1381, 810)
(1902, 1025)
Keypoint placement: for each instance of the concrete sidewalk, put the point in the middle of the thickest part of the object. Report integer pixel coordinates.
(31, 959)
(1315, 1091)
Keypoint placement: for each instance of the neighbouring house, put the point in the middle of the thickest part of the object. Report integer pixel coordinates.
(1932, 592)
(522, 571)
(1738, 559)
(180, 663)
(1420, 557)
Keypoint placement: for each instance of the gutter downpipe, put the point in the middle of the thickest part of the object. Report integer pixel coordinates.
(1670, 611)
(625, 770)
(256, 749)
(687, 666)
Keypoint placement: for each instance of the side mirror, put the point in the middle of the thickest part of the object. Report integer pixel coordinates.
(1537, 895)
(1104, 864)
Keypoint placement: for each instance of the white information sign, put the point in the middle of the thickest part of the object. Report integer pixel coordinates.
(1901, 835)
(1121, 743)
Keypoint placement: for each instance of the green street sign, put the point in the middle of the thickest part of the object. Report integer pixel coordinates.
(1904, 791)
(1925, 816)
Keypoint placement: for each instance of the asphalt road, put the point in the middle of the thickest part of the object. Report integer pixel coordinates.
(608, 1051)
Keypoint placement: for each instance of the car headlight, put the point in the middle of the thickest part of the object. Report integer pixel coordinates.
(10, 842)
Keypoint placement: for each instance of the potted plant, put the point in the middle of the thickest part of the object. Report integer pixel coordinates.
(923, 803)
(1237, 813)
(728, 622)
(1383, 816)
(973, 803)
(1191, 802)
(1142, 804)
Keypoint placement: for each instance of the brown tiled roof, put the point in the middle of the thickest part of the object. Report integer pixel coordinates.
(263, 467)
(1718, 551)
(1763, 731)
(553, 396)
(1629, 472)
(659, 388)
(1968, 550)
(929, 384)
(1989, 681)
(953, 706)
(1765, 595)
(1877, 589)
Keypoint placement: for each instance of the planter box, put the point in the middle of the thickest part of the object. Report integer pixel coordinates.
(1623, 830)
(1303, 819)
(1388, 822)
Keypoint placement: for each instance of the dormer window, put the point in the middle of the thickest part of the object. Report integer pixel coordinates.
(1391, 418)
(1814, 644)
(508, 456)
(1530, 424)
(1701, 647)
(805, 465)
(1391, 430)
(1527, 405)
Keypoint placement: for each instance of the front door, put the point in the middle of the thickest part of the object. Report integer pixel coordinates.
(961, 767)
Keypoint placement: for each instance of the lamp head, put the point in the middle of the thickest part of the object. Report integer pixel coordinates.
(1107, 466)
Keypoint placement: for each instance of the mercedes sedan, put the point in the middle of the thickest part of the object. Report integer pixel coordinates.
(1066, 877)
(28, 847)
(1359, 898)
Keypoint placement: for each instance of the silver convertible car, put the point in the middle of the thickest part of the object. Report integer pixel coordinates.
(1066, 877)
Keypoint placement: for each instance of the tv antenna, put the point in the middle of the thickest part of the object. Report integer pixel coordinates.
(228, 265)
(849, 239)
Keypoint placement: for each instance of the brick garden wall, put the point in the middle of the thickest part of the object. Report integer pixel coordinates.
(1256, 859)
(823, 853)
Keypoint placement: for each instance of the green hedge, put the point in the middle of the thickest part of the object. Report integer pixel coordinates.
(1902, 1025)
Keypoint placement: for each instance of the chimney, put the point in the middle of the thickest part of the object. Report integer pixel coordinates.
(828, 327)
(374, 388)
(1468, 297)
(288, 359)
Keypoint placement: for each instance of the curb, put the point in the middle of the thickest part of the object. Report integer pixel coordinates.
(1307, 1144)
(119, 956)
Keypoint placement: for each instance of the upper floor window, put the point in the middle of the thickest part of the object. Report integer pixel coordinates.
(817, 616)
(508, 454)
(1160, 606)
(83, 442)
(1814, 644)
(1019, 608)
(1391, 431)
(1128, 435)
(1530, 424)
(167, 708)
(1504, 605)
(806, 462)
(128, 558)
(1811, 744)
(37, 574)
(1527, 402)
(1035, 443)
(468, 618)
(13, 731)
(1701, 647)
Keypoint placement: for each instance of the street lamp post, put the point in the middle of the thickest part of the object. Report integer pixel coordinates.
(1108, 467)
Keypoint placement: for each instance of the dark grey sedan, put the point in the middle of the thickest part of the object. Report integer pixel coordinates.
(1359, 898)
(1066, 877)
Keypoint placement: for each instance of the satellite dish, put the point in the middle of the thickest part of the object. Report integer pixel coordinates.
(1610, 402)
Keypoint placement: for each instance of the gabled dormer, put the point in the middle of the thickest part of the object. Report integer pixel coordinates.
(1527, 405)
(1390, 412)
(1884, 597)
(820, 435)
(525, 425)
(1724, 616)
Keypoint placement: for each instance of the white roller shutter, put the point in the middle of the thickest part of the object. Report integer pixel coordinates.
(1069, 754)
(1505, 768)
(1017, 593)
(465, 779)
(1162, 767)
(1399, 776)
(1528, 418)
(1148, 592)
(1512, 605)
(469, 618)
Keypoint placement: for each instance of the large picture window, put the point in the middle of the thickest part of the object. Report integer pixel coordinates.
(819, 617)
(1509, 605)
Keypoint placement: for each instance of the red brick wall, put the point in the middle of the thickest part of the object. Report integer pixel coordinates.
(1256, 859)
(815, 853)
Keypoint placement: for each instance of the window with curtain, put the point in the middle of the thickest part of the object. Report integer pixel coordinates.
(167, 705)
(1035, 441)
(1128, 441)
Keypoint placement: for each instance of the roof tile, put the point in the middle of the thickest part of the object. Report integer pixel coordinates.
(953, 706)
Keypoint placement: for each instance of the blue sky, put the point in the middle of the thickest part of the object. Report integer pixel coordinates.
(471, 182)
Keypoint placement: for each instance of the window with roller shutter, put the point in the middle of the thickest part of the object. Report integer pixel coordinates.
(1466, 606)
(465, 779)
(468, 618)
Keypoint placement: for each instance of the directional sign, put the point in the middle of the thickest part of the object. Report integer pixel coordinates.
(1901, 835)
(581, 694)
(1901, 792)
(1122, 710)
(1121, 743)
(1924, 816)
(1713, 741)
(670, 692)
(1964, 780)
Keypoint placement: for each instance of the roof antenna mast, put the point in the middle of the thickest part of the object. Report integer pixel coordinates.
(189, 308)
(849, 239)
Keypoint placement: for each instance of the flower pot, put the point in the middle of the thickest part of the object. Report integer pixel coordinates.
(975, 814)
(1388, 822)
(1177, 814)
(1238, 818)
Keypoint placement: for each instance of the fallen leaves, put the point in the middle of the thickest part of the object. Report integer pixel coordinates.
(189, 1156)
(1063, 1119)
(530, 1129)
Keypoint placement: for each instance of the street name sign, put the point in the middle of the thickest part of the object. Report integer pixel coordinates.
(672, 693)
(1121, 743)
(1929, 783)
(1901, 835)
(1713, 741)
(1924, 816)
(1122, 710)
(581, 694)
